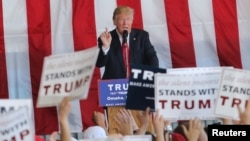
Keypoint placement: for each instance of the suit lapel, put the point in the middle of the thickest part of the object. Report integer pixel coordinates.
(132, 45)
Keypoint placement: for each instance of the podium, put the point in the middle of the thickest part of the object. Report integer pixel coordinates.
(114, 106)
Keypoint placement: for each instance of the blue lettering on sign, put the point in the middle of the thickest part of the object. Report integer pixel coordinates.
(113, 92)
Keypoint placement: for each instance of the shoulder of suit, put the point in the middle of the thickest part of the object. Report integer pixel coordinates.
(137, 30)
(113, 31)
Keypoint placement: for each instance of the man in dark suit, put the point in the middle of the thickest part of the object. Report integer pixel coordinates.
(111, 52)
(140, 48)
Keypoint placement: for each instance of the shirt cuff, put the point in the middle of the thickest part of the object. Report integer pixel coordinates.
(105, 50)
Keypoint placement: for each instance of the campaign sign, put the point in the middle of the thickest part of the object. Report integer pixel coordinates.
(137, 138)
(113, 92)
(7, 105)
(141, 87)
(234, 91)
(66, 75)
(123, 138)
(185, 96)
(16, 126)
(193, 70)
(10, 108)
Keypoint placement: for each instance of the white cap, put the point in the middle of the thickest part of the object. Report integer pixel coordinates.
(73, 139)
(94, 132)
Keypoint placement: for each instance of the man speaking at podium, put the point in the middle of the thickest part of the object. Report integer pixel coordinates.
(121, 47)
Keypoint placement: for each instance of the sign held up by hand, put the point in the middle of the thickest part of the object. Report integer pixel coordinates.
(66, 75)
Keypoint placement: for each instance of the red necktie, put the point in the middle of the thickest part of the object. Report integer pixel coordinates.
(125, 52)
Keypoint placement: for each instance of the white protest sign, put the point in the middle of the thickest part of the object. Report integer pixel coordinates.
(123, 138)
(66, 75)
(181, 96)
(234, 91)
(7, 105)
(16, 126)
(137, 138)
(193, 70)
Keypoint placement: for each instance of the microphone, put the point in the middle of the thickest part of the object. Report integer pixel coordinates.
(124, 36)
(125, 51)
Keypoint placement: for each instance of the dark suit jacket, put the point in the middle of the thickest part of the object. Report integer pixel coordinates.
(141, 52)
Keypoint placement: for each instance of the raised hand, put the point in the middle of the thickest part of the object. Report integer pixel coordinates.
(245, 115)
(192, 132)
(144, 119)
(106, 38)
(124, 122)
(64, 110)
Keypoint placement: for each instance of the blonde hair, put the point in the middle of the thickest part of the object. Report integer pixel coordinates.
(123, 9)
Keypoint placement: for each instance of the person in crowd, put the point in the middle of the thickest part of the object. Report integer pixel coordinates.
(192, 130)
(64, 110)
(98, 119)
(159, 124)
(92, 132)
(141, 51)
(89, 133)
(144, 118)
(126, 124)
(244, 114)
(161, 133)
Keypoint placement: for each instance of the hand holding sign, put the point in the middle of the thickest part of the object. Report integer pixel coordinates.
(234, 91)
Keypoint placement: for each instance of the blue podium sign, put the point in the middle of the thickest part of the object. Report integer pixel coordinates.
(113, 92)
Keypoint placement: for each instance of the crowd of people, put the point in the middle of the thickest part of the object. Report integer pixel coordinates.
(190, 130)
